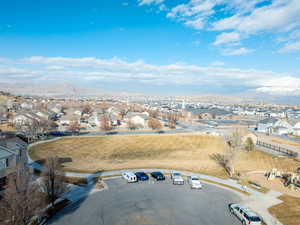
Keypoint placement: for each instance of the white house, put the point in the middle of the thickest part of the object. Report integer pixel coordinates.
(94, 120)
(281, 127)
(138, 120)
(266, 125)
(296, 129)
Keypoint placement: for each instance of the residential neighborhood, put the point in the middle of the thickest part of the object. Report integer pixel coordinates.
(150, 112)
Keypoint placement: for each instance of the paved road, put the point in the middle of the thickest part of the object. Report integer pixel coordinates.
(151, 203)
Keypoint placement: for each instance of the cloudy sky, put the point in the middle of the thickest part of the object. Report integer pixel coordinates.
(154, 46)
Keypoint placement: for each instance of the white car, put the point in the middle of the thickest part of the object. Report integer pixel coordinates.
(177, 178)
(195, 183)
(246, 215)
(130, 177)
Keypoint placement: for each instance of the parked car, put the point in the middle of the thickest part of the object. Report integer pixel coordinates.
(175, 174)
(246, 215)
(195, 183)
(129, 176)
(141, 176)
(158, 176)
(177, 178)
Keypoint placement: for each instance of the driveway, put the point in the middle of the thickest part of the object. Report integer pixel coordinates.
(151, 203)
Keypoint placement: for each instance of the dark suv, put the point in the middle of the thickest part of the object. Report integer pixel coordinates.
(158, 176)
(141, 176)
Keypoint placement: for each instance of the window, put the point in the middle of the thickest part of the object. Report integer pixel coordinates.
(4, 163)
(254, 219)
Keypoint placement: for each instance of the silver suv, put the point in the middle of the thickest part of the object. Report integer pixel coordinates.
(246, 215)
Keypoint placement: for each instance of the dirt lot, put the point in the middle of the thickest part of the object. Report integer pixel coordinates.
(190, 152)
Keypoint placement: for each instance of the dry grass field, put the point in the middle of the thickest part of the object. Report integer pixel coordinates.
(191, 152)
(288, 212)
(285, 142)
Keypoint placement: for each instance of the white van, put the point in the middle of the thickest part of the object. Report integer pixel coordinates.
(129, 176)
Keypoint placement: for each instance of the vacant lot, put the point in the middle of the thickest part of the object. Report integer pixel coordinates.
(181, 151)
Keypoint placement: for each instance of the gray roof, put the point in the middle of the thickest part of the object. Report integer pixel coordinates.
(215, 111)
(133, 114)
(4, 153)
(268, 120)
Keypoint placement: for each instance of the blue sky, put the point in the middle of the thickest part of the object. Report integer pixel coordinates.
(154, 46)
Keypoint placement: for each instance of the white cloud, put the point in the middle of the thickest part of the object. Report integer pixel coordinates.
(281, 15)
(149, 2)
(196, 24)
(55, 67)
(227, 38)
(115, 70)
(290, 47)
(239, 51)
(217, 63)
(245, 18)
(282, 86)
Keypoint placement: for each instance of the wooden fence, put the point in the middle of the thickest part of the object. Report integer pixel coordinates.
(277, 148)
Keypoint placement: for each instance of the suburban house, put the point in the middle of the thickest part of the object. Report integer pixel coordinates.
(25, 118)
(93, 120)
(12, 153)
(296, 129)
(279, 126)
(46, 114)
(66, 119)
(266, 125)
(114, 118)
(282, 127)
(139, 119)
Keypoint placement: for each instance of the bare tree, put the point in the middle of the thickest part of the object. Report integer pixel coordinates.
(22, 199)
(172, 120)
(234, 145)
(74, 126)
(105, 123)
(87, 109)
(153, 113)
(30, 127)
(44, 126)
(53, 180)
(123, 113)
(154, 124)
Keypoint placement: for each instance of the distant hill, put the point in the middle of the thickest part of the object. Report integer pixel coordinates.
(54, 90)
(223, 98)
(265, 98)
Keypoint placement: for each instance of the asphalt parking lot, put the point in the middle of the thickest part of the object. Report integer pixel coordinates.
(151, 203)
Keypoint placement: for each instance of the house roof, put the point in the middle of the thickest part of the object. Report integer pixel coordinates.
(268, 120)
(215, 111)
(4, 153)
(132, 114)
(12, 143)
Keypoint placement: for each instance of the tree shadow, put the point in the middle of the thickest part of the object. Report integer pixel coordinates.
(219, 159)
(83, 192)
(222, 161)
